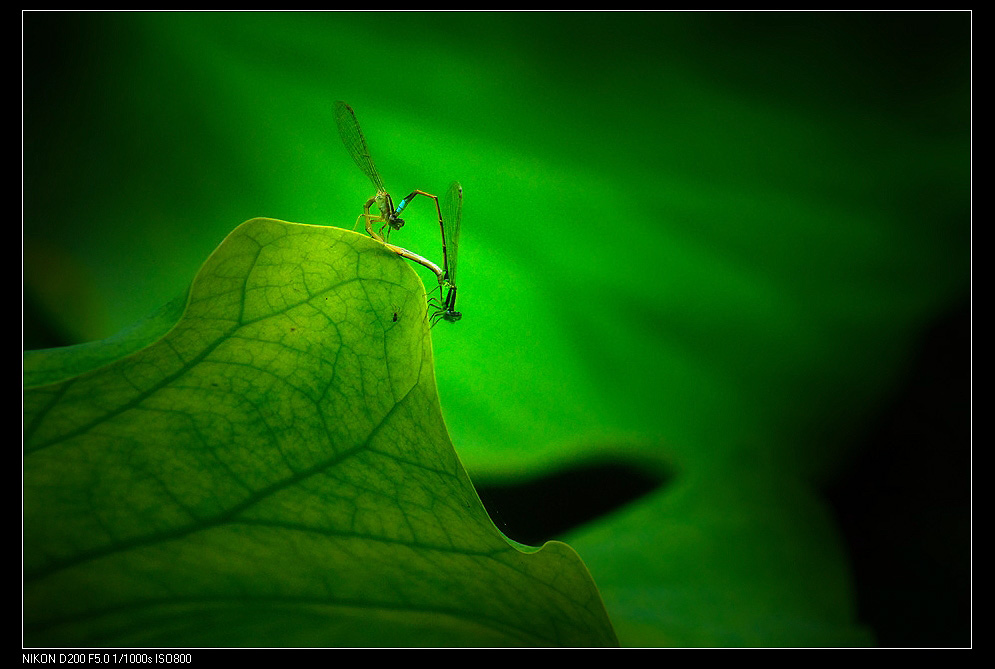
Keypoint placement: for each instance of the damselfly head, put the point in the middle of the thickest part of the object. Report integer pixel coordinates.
(452, 316)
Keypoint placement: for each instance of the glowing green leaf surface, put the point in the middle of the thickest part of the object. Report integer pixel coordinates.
(274, 470)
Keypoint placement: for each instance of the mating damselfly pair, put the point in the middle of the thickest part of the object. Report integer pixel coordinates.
(390, 219)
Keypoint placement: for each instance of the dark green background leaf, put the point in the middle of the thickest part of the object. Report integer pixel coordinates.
(701, 244)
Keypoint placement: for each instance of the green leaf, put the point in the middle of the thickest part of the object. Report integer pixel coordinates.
(727, 269)
(743, 556)
(274, 470)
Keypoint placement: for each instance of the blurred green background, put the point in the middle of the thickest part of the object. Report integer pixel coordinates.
(701, 255)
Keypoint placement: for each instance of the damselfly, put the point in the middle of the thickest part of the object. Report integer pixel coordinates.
(355, 144)
(445, 305)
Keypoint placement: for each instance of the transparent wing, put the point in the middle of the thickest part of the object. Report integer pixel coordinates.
(452, 211)
(355, 143)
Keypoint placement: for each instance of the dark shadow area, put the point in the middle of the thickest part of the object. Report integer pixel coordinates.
(38, 329)
(532, 512)
(904, 502)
